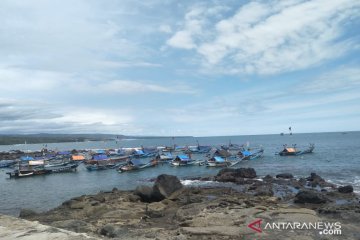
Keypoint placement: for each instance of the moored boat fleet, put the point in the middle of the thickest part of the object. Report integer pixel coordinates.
(132, 159)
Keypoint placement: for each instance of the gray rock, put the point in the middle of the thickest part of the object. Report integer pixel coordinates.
(165, 185)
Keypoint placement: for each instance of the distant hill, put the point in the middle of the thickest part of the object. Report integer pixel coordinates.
(9, 139)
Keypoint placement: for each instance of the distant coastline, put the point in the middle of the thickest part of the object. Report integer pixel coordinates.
(43, 138)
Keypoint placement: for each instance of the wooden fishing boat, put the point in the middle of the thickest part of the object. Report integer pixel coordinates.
(294, 151)
(251, 154)
(103, 162)
(185, 160)
(136, 164)
(217, 161)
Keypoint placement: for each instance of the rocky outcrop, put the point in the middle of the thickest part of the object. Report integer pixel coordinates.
(204, 212)
(307, 196)
(235, 175)
(20, 229)
(165, 185)
(346, 189)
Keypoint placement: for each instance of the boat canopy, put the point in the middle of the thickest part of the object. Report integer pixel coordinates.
(139, 152)
(246, 153)
(292, 150)
(135, 162)
(37, 162)
(183, 158)
(99, 151)
(100, 157)
(77, 157)
(219, 159)
(26, 158)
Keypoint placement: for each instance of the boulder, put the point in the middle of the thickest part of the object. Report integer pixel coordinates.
(145, 193)
(346, 189)
(111, 231)
(285, 175)
(309, 197)
(155, 209)
(231, 175)
(164, 186)
(268, 178)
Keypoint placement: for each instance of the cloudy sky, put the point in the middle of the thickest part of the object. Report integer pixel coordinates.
(172, 67)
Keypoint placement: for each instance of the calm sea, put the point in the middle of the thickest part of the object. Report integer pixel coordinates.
(336, 158)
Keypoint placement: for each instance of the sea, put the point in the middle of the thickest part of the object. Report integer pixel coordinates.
(336, 158)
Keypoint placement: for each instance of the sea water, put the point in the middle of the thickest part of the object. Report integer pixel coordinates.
(336, 158)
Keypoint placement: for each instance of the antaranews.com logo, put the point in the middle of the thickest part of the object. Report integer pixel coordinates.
(324, 228)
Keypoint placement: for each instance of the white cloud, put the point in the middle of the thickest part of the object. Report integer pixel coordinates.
(165, 28)
(339, 79)
(269, 37)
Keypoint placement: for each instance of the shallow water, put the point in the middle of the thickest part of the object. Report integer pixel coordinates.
(336, 158)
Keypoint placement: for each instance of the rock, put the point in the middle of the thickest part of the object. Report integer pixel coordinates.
(145, 193)
(108, 230)
(309, 197)
(155, 209)
(346, 189)
(74, 225)
(285, 175)
(77, 205)
(235, 175)
(113, 232)
(134, 198)
(165, 185)
(268, 178)
(264, 190)
(27, 213)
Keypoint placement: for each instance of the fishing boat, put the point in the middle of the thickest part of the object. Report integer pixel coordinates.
(103, 162)
(251, 153)
(232, 146)
(28, 166)
(68, 167)
(136, 164)
(185, 160)
(164, 157)
(294, 151)
(217, 162)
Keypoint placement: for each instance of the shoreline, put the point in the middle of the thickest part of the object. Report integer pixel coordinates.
(170, 210)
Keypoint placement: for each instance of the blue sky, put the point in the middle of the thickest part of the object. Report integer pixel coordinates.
(201, 68)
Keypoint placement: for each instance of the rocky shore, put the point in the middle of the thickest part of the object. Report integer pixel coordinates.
(169, 210)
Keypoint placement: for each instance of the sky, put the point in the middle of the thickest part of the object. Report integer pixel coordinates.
(199, 68)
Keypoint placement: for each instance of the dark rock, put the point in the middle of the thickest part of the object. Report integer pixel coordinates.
(27, 213)
(346, 189)
(145, 193)
(285, 175)
(268, 178)
(108, 230)
(309, 197)
(165, 185)
(233, 175)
